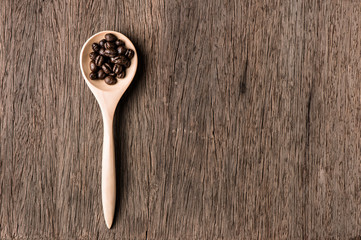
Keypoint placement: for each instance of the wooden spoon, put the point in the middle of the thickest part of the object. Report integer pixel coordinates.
(108, 97)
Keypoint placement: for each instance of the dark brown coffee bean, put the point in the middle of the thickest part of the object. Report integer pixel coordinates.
(101, 74)
(107, 68)
(122, 50)
(99, 60)
(101, 51)
(127, 64)
(110, 61)
(93, 55)
(129, 53)
(114, 59)
(109, 45)
(93, 66)
(93, 75)
(110, 80)
(102, 42)
(121, 75)
(95, 47)
(117, 69)
(112, 74)
(122, 60)
(110, 37)
(110, 52)
(119, 42)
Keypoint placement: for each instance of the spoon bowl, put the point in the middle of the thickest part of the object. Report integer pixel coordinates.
(108, 97)
(85, 61)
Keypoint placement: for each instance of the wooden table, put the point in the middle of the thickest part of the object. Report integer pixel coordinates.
(243, 121)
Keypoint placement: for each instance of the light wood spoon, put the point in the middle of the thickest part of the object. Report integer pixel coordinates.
(108, 97)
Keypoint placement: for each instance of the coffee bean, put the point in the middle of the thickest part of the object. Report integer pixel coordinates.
(93, 55)
(101, 51)
(101, 74)
(114, 59)
(122, 60)
(102, 42)
(117, 69)
(127, 64)
(129, 53)
(107, 68)
(112, 74)
(122, 50)
(119, 42)
(110, 37)
(109, 45)
(108, 60)
(95, 47)
(99, 60)
(93, 75)
(121, 75)
(110, 52)
(93, 66)
(110, 80)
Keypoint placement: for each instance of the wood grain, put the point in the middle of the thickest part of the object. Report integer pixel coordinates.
(243, 121)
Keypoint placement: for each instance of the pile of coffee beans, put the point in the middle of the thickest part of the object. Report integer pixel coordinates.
(110, 59)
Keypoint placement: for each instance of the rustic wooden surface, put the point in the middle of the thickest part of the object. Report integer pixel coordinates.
(243, 121)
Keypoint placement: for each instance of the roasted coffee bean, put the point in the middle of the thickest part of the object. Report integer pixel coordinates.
(93, 55)
(110, 37)
(99, 60)
(110, 80)
(127, 64)
(93, 75)
(121, 75)
(101, 51)
(112, 74)
(93, 66)
(95, 47)
(115, 59)
(102, 42)
(108, 60)
(122, 60)
(109, 45)
(117, 69)
(122, 50)
(119, 42)
(129, 53)
(110, 52)
(107, 68)
(101, 74)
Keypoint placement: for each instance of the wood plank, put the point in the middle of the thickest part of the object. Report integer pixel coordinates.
(243, 121)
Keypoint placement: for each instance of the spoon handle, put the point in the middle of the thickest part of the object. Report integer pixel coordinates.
(108, 171)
